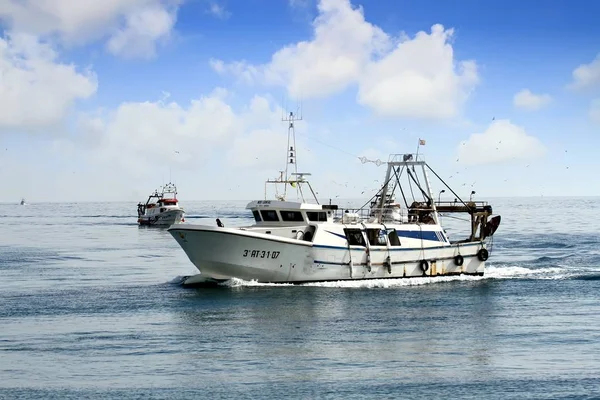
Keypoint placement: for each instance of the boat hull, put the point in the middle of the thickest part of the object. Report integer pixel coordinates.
(165, 218)
(224, 253)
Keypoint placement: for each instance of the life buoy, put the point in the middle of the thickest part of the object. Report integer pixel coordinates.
(458, 260)
(483, 254)
(424, 265)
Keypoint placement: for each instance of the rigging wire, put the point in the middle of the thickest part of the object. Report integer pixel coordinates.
(379, 191)
(425, 196)
(410, 184)
(398, 180)
(400, 186)
(328, 145)
(445, 184)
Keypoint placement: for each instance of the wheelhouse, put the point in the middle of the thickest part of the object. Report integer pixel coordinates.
(286, 213)
(167, 202)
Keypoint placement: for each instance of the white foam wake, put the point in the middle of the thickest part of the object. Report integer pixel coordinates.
(515, 272)
(491, 272)
(364, 283)
(235, 282)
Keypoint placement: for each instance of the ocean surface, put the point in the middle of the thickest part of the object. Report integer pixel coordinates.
(91, 306)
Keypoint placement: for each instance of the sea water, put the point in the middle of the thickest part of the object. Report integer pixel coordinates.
(91, 306)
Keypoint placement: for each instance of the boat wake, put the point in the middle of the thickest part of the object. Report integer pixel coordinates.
(492, 272)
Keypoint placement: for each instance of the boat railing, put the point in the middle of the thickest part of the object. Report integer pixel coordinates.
(404, 158)
(469, 206)
(456, 202)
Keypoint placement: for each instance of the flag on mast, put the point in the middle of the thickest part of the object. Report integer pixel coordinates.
(421, 142)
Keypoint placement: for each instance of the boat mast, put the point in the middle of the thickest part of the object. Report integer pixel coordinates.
(291, 161)
(291, 175)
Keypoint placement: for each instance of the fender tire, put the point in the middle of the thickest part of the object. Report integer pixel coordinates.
(483, 255)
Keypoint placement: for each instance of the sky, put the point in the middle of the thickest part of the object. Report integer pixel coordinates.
(108, 100)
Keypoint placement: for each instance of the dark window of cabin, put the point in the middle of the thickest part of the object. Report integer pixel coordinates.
(269, 215)
(295, 216)
(376, 237)
(256, 215)
(355, 237)
(317, 216)
(393, 238)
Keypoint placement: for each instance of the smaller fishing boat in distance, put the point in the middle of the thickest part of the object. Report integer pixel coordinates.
(23, 202)
(162, 208)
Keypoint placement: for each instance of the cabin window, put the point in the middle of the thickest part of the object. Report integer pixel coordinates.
(269, 215)
(393, 238)
(256, 215)
(317, 216)
(355, 237)
(295, 216)
(376, 237)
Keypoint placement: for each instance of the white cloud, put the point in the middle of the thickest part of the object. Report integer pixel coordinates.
(138, 135)
(143, 29)
(595, 111)
(127, 23)
(35, 89)
(262, 141)
(212, 148)
(141, 136)
(343, 43)
(420, 78)
(501, 141)
(218, 11)
(259, 148)
(244, 72)
(416, 77)
(587, 75)
(526, 100)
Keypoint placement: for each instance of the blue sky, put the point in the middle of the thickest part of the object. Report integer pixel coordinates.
(106, 100)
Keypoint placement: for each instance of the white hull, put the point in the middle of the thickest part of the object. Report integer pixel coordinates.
(224, 253)
(165, 218)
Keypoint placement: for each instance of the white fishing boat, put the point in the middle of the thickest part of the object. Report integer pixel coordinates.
(298, 241)
(162, 208)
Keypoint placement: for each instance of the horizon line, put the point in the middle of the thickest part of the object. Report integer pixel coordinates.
(249, 200)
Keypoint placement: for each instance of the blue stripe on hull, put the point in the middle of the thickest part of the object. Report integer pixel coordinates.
(435, 236)
(336, 234)
(383, 248)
